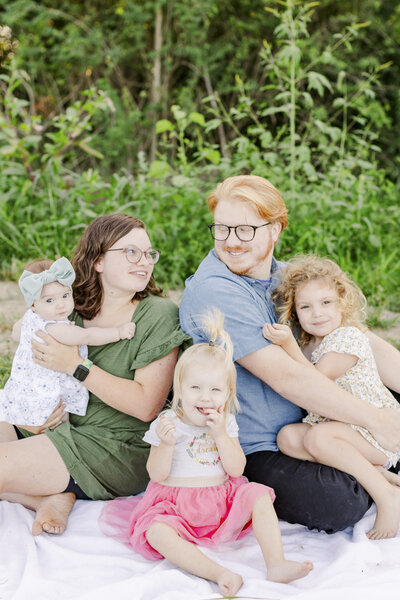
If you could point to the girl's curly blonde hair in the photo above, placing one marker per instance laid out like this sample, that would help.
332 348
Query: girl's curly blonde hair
305 268
220 350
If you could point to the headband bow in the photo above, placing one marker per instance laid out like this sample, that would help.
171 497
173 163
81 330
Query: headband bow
31 284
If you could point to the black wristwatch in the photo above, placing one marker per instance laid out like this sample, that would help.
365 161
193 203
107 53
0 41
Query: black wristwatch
82 370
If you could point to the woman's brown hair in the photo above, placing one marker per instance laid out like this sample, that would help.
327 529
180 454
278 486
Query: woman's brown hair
98 237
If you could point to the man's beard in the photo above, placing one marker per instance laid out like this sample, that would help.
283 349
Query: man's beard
244 270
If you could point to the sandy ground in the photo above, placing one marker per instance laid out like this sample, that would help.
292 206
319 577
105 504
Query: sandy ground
12 307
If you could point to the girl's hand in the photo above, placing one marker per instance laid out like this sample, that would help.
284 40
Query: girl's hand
216 421
57 417
166 431
278 334
54 355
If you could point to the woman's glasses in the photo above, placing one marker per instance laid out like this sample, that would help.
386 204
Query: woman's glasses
134 254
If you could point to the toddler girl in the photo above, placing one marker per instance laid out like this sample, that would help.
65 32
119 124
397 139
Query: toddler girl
32 392
197 494
327 311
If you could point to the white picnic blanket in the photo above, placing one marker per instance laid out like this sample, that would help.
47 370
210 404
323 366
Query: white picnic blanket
83 564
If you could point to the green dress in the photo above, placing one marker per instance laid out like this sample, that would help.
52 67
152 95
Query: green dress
104 451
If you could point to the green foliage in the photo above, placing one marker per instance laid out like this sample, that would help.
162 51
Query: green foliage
45 205
247 87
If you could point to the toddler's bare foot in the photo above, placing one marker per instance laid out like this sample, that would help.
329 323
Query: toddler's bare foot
389 476
228 582
288 570
52 513
387 517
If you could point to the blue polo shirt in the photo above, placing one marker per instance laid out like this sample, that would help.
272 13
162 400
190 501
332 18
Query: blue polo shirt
247 305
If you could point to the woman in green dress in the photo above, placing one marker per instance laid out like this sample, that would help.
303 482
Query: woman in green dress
100 455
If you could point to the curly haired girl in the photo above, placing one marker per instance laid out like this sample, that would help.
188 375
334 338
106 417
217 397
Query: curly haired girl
326 310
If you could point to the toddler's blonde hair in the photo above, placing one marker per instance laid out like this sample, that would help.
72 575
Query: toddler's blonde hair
220 349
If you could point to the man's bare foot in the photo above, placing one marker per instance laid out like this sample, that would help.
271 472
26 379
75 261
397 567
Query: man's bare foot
288 570
52 513
387 517
389 476
229 582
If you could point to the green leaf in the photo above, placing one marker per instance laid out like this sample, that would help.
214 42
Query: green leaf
290 52
178 113
180 181
158 169
198 118
213 124
317 81
213 156
164 125
374 240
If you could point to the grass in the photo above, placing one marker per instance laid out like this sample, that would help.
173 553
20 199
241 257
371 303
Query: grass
5 326
5 368
375 321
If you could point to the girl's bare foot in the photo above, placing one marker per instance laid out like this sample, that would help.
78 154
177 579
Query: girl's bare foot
387 517
389 476
286 571
228 582
52 513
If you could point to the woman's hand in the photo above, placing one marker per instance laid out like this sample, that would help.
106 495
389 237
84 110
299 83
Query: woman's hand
57 417
54 355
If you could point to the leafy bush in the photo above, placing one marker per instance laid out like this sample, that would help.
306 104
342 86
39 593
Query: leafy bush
308 129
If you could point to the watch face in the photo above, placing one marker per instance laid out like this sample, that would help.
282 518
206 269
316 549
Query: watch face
81 372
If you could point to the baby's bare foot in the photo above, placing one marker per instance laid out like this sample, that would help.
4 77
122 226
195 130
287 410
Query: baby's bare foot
52 513
389 476
288 570
387 517
228 582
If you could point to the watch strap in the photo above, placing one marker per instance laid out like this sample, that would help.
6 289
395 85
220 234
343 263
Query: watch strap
87 363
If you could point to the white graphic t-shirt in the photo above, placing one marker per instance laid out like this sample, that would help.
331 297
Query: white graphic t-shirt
195 451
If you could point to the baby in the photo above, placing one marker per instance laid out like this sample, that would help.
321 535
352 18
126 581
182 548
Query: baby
32 392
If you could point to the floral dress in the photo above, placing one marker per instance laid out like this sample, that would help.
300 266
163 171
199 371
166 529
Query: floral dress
362 380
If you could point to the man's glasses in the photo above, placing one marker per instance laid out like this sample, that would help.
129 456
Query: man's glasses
245 233
134 254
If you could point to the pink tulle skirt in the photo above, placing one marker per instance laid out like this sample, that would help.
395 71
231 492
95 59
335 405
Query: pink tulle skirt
206 515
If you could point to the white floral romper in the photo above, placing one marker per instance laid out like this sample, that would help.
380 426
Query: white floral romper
32 392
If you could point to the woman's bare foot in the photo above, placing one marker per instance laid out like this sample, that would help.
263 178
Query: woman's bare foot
52 513
387 517
229 582
286 571
389 476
